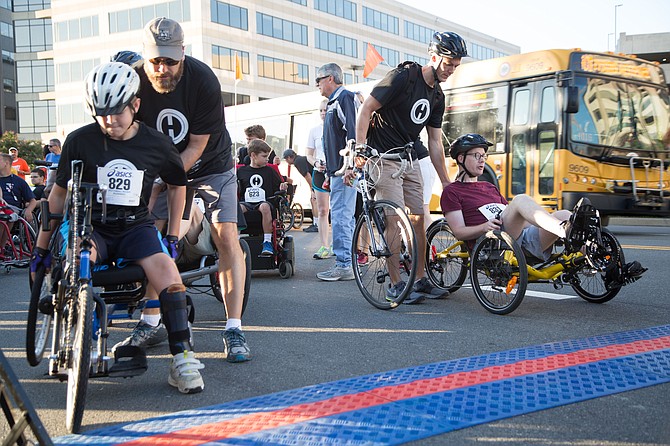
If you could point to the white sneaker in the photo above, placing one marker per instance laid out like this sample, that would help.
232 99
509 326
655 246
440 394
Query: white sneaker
184 374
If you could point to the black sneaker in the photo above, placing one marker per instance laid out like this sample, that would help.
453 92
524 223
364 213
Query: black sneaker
425 287
311 228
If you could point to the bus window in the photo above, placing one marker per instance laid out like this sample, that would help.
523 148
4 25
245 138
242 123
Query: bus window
521 107
548 112
518 164
482 111
547 144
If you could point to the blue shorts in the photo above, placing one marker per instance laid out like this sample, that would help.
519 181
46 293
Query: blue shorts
529 240
134 244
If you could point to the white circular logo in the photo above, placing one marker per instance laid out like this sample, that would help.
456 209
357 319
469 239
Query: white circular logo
420 111
504 69
173 123
256 180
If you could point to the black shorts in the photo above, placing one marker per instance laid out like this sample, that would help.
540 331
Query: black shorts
136 243
318 178
255 206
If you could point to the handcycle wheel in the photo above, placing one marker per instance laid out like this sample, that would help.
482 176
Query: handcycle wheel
216 285
445 270
498 272
387 242
298 215
589 283
286 214
39 324
79 364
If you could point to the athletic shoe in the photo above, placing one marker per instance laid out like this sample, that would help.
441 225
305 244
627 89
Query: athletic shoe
414 298
337 273
393 292
184 374
235 346
322 253
144 335
426 288
361 258
311 228
268 250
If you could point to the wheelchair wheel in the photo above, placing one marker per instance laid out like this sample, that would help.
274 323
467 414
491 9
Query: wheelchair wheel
39 324
286 215
589 283
498 272
298 215
386 238
19 247
79 364
446 270
216 285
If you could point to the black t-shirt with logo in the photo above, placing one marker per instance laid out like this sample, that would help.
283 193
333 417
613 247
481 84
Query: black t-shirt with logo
128 168
258 183
194 107
408 105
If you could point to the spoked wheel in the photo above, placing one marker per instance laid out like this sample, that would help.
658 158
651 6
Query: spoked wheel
446 257
384 254
287 216
589 283
79 364
298 215
216 285
23 240
39 323
498 272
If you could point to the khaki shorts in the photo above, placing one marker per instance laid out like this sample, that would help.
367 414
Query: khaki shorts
406 191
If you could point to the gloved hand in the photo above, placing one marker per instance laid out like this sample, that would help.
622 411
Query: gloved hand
40 257
171 242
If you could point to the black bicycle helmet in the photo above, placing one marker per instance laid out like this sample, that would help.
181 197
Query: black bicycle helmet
129 58
110 87
467 142
448 44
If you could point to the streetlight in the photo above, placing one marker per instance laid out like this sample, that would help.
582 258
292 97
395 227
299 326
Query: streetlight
616 46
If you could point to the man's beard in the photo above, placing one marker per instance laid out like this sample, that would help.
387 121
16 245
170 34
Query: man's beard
165 84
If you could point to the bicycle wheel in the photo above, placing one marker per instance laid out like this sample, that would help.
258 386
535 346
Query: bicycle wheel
446 257
286 215
39 323
386 239
216 285
79 363
589 283
498 272
298 215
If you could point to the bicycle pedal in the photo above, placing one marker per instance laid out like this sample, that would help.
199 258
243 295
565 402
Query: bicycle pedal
129 361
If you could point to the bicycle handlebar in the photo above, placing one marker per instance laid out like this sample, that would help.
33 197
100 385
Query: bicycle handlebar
353 150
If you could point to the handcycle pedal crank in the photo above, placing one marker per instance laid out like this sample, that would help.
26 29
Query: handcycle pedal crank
129 361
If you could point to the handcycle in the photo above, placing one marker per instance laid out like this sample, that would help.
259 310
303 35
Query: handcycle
383 233
291 214
500 270
70 300
18 241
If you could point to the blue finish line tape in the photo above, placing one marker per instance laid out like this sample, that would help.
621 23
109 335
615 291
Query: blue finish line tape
414 403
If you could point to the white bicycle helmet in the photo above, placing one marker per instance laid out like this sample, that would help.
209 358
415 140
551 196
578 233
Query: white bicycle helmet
110 87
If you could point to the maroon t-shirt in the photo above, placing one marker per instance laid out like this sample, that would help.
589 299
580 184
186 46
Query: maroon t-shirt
468 198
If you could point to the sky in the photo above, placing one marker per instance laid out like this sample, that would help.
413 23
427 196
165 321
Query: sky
543 24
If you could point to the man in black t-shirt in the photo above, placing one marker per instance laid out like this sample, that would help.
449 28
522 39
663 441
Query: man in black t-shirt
408 99
181 97
305 168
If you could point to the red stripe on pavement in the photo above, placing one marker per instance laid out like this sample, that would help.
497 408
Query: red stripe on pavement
304 412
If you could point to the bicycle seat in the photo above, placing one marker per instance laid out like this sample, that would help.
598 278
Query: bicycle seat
107 274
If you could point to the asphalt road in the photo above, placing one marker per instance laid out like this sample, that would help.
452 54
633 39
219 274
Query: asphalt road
302 332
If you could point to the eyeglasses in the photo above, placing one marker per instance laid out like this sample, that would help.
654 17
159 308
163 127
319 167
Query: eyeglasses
319 79
164 61
479 156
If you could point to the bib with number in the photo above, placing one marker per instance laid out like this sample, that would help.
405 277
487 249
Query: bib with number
123 182
255 193
491 210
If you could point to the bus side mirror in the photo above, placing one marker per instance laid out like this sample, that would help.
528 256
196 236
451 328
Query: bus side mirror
572 100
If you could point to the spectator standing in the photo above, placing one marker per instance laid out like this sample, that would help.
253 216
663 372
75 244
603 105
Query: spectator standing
339 126
19 164
408 99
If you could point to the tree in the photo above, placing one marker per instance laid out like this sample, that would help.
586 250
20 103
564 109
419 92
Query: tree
29 150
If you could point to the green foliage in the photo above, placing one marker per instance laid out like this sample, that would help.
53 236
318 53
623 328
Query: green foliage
29 150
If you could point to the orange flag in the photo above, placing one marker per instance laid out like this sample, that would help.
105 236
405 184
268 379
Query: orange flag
372 59
238 68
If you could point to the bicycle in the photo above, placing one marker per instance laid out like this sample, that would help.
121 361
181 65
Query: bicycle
383 236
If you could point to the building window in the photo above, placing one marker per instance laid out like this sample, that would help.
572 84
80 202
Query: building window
8 57
270 26
7 30
79 28
299 2
418 59
6 4
229 98
8 85
391 57
480 52
137 18
37 116
380 20
418 33
75 71
10 113
335 43
339 8
283 70
73 114
32 35
28 5
224 59
230 15
35 76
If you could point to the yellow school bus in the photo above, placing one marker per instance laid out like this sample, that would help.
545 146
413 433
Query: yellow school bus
567 124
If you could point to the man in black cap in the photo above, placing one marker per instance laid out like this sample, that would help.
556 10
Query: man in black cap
305 168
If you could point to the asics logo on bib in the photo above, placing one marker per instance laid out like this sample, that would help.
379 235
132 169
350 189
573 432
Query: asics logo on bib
420 111
173 123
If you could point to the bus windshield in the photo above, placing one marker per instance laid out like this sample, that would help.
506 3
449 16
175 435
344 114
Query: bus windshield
616 118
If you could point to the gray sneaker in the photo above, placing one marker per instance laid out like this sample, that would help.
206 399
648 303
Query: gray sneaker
144 335
235 346
425 287
337 273
393 292
184 373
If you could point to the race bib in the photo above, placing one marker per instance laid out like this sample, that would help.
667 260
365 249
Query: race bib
491 210
123 182
254 195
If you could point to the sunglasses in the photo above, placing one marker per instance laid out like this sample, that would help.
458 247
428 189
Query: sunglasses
164 61
319 79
